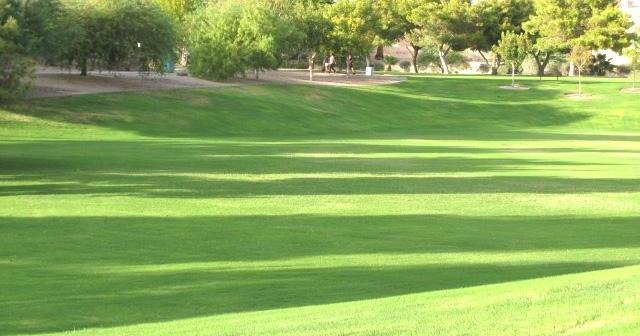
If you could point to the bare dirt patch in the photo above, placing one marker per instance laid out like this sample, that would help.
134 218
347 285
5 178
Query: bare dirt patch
320 78
630 90
55 82
577 96
514 88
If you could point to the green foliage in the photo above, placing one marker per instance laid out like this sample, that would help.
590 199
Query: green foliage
498 16
231 38
633 53
179 10
559 24
390 61
312 26
405 65
513 48
119 34
601 65
429 59
447 24
15 65
355 26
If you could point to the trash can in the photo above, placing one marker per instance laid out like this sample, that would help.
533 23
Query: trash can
169 66
369 71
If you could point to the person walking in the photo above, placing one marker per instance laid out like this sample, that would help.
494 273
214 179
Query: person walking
350 65
332 63
326 65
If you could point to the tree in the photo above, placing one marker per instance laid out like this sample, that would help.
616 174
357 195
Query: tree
390 61
429 58
231 37
119 34
14 64
263 36
179 11
312 26
513 48
633 53
446 25
580 56
29 30
495 17
397 23
354 26
557 25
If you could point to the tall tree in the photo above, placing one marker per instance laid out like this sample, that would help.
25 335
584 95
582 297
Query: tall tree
232 37
495 17
557 25
312 27
447 25
397 24
354 26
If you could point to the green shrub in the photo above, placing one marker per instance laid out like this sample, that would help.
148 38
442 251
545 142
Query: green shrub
623 70
600 65
484 68
405 65
389 61
429 59
231 38
119 34
16 73
378 66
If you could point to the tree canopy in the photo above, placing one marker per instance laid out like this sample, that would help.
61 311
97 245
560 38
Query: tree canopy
513 48
557 25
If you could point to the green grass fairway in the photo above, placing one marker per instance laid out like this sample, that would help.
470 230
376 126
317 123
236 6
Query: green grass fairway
438 206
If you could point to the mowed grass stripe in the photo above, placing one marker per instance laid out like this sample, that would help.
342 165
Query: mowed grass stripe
435 206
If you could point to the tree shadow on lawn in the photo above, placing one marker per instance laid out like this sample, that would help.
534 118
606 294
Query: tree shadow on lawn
159 169
63 273
169 186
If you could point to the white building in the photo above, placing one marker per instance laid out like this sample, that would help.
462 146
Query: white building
632 7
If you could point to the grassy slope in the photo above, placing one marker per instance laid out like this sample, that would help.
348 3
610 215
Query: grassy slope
437 206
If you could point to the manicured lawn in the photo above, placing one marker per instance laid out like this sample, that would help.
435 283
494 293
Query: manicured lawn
439 206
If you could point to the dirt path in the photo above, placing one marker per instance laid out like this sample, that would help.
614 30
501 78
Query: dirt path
54 82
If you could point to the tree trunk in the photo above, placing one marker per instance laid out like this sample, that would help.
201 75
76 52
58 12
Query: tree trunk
379 52
83 67
513 74
579 82
572 69
495 65
414 57
442 53
486 60
634 79
257 74
311 64
541 63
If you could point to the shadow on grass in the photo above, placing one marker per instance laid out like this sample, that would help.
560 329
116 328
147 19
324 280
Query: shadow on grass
167 169
61 273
